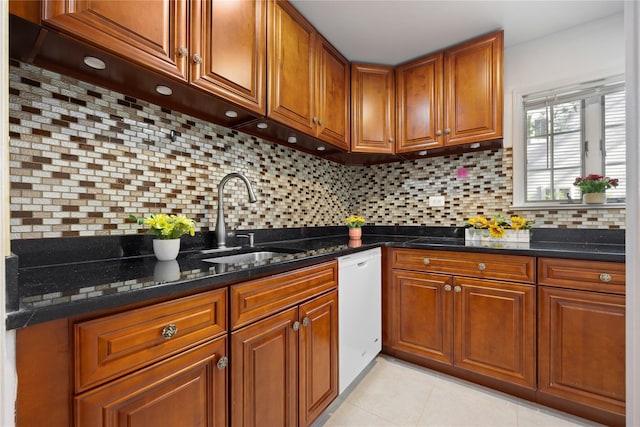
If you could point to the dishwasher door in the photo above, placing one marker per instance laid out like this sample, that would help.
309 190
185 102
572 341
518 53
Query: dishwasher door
359 312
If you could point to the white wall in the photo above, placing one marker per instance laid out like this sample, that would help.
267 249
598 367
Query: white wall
578 54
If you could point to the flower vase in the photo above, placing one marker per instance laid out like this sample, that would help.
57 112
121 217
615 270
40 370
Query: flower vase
594 198
355 233
166 249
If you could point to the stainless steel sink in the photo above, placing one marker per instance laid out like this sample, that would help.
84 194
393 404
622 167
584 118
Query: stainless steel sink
242 258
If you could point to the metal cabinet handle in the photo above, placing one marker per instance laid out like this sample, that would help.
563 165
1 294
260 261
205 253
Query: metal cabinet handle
315 119
447 131
222 363
320 122
481 266
605 277
426 261
390 139
438 132
447 288
296 326
457 288
305 322
169 331
183 51
197 59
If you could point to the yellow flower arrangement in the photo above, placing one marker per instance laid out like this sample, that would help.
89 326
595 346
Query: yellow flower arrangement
167 226
354 221
498 225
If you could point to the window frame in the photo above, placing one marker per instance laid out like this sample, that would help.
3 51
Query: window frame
519 166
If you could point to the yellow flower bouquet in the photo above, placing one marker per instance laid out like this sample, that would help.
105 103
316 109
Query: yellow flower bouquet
513 229
167 227
354 221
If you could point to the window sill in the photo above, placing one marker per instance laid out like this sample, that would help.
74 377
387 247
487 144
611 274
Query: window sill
566 206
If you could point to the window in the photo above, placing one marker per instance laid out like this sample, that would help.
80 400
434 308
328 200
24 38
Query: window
570 132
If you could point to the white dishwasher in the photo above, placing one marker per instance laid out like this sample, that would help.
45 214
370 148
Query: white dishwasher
359 312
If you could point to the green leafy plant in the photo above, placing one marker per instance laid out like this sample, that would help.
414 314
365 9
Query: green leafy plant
354 221
595 183
167 226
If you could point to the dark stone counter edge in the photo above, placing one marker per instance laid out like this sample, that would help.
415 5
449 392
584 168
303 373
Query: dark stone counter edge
22 318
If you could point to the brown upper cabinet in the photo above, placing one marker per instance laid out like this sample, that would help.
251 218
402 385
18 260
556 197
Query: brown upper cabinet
372 108
217 46
452 97
308 79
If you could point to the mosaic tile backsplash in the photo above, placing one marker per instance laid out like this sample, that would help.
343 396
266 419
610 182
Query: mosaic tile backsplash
83 158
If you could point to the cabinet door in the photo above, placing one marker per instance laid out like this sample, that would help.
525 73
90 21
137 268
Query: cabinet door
582 347
291 41
187 389
421 315
150 33
230 39
473 91
419 104
264 372
318 365
332 117
494 328
372 109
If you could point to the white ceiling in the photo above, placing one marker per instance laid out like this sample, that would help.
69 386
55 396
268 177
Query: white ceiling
394 31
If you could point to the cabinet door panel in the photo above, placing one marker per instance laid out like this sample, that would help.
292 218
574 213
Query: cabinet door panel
372 109
318 356
333 96
419 104
230 36
422 311
291 41
187 389
473 91
149 33
264 372
495 329
582 347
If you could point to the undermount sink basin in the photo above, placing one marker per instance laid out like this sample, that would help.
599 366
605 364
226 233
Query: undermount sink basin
242 258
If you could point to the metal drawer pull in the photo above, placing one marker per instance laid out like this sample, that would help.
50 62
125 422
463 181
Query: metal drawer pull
182 51
426 261
197 59
605 277
447 288
169 331
482 267
457 288
296 326
305 322
222 363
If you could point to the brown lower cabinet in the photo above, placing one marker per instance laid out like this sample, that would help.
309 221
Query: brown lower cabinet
481 326
285 370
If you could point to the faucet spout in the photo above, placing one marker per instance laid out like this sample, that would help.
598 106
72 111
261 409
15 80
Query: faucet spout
221 232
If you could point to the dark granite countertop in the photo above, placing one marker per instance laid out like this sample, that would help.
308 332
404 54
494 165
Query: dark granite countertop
44 290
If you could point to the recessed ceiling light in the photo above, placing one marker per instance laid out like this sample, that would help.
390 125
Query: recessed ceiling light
422 153
321 148
292 140
475 145
232 114
95 63
262 125
164 90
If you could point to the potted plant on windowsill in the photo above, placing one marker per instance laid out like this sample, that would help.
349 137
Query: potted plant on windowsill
168 229
514 229
594 186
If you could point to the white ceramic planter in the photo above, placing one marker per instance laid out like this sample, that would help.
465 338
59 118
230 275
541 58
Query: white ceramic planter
166 250
480 236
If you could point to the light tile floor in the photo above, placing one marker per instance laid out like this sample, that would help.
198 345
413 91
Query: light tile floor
394 393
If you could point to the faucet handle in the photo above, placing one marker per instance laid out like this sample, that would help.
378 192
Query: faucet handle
250 236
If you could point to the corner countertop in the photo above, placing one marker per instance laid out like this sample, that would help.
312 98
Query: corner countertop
55 291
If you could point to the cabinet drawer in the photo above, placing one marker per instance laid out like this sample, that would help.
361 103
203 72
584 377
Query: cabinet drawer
602 276
114 345
485 266
259 298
